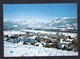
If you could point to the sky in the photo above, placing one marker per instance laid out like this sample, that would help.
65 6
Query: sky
40 12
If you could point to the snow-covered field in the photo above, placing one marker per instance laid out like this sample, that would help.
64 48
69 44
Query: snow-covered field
37 31
48 32
13 32
20 50
16 50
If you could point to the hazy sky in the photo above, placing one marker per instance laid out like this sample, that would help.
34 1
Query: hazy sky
39 11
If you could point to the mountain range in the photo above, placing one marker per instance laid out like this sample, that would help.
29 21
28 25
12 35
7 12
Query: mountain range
57 23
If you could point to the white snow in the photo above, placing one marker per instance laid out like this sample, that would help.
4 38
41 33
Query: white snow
15 25
13 32
16 50
20 50
37 31
38 44
21 42
66 18
47 32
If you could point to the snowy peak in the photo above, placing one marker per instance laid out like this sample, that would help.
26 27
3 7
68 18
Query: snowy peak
66 22
69 23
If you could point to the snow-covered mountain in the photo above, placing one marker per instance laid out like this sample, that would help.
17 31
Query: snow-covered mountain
57 23
13 25
65 22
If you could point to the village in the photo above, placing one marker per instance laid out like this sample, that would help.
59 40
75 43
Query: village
48 40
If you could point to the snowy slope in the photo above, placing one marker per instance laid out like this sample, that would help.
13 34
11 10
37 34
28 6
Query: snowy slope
13 32
14 25
64 22
16 50
48 32
36 31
